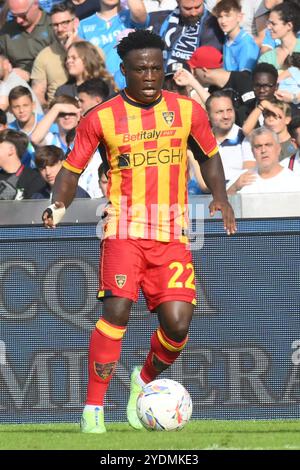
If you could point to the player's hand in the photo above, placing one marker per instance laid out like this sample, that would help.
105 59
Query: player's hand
227 214
53 214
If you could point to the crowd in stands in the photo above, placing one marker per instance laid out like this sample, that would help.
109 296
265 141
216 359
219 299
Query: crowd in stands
240 59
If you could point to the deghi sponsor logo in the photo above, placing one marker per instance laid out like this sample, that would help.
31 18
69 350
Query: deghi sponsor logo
148 135
150 158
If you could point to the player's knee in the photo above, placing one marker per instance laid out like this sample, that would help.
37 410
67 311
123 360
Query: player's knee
116 310
178 331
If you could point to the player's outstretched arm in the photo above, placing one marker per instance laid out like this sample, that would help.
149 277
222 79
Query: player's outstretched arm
64 191
213 174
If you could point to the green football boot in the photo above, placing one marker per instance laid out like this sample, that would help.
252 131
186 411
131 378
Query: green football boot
92 421
135 390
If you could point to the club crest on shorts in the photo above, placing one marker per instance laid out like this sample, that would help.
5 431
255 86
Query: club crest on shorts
120 280
169 117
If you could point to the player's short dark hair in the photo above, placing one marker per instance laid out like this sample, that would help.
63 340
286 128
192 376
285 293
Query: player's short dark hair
289 12
48 155
217 94
18 92
226 5
140 39
3 117
263 67
17 138
94 87
293 126
62 7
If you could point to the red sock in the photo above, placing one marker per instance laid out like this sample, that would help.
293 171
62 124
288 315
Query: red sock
163 353
104 353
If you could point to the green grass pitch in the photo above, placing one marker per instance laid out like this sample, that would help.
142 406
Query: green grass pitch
197 435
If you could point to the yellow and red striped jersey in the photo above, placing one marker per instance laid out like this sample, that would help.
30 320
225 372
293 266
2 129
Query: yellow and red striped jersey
146 156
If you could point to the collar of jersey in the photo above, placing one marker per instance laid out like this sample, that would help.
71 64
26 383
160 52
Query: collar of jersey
139 104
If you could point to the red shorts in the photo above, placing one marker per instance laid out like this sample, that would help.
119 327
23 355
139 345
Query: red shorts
164 271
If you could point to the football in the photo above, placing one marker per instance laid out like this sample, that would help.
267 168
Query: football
164 405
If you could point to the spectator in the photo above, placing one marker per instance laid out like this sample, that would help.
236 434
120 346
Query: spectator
289 83
293 162
9 80
278 121
3 13
83 62
103 181
85 8
240 52
25 36
49 160
269 176
277 116
3 120
184 29
48 5
289 79
16 181
102 28
284 23
265 78
92 92
23 108
48 71
234 150
254 16
64 111
183 85
206 64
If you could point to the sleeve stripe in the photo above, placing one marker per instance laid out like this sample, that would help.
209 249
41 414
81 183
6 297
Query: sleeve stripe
213 152
71 168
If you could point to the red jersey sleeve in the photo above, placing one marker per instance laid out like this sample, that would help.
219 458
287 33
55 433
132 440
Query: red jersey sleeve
201 140
88 137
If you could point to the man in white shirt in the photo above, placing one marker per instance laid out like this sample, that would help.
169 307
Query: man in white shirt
269 176
235 150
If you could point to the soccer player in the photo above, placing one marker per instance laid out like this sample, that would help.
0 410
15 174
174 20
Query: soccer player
145 132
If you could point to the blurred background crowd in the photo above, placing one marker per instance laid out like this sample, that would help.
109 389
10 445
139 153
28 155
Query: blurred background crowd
240 59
